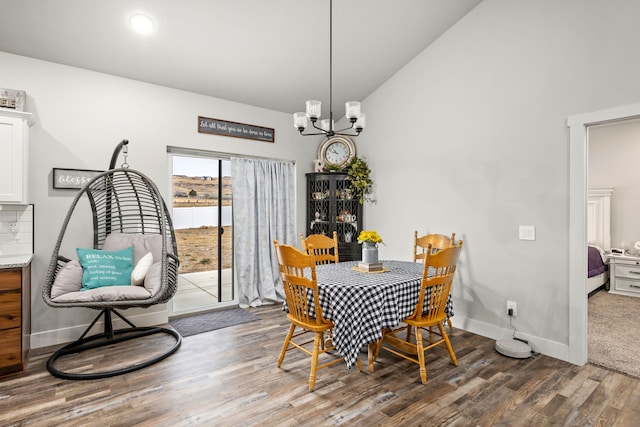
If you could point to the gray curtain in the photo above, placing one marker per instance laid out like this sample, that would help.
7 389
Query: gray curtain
263 210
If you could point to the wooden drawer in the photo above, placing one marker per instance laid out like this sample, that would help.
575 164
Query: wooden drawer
10 309
10 279
10 350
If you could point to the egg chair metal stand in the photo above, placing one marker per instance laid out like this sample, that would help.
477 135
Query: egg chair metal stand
125 201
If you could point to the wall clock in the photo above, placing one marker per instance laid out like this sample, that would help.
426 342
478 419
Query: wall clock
336 150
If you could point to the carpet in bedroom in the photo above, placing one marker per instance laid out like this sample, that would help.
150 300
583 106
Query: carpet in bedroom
614 332
212 320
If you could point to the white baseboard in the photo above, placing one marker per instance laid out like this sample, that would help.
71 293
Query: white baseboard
67 335
540 345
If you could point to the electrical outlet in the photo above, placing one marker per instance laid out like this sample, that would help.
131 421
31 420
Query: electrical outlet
14 227
511 305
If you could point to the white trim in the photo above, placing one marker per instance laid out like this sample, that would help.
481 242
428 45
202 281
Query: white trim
24 115
218 155
539 345
67 335
578 133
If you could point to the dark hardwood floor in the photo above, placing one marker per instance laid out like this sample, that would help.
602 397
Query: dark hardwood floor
229 377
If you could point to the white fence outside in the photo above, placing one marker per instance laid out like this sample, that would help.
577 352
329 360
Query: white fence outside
197 217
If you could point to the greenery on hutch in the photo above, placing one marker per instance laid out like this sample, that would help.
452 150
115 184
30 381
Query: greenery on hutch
359 175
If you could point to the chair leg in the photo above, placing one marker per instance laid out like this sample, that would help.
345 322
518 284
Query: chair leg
378 344
450 324
285 346
329 341
448 344
420 349
408 333
317 340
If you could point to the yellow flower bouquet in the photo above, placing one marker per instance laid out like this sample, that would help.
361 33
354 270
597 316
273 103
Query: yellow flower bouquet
370 236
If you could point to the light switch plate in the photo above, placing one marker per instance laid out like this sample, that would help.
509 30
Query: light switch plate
527 232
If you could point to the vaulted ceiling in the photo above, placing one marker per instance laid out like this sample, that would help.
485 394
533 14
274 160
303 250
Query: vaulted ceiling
267 53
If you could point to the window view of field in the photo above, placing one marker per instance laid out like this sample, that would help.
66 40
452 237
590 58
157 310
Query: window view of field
198 243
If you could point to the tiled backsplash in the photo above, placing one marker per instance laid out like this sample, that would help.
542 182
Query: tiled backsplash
16 230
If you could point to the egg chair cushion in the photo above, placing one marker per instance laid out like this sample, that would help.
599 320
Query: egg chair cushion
153 279
141 243
68 284
106 294
68 279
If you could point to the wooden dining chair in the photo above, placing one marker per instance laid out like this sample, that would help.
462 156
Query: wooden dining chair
437 242
325 249
429 312
304 310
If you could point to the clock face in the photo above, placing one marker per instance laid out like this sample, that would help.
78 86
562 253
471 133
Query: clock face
336 150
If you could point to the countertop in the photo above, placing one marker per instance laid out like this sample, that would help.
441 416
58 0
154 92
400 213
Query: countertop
15 261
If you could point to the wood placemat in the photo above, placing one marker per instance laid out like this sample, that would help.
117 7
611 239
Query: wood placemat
358 269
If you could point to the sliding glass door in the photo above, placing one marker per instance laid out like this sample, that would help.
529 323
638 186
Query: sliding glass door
202 216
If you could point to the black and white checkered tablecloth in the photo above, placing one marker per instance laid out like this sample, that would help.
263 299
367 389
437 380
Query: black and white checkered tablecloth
362 304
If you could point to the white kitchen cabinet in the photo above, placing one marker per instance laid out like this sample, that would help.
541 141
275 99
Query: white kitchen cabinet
14 156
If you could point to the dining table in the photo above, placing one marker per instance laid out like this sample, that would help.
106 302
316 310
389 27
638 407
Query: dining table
361 304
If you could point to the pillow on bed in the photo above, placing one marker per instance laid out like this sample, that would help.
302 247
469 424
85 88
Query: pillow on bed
105 268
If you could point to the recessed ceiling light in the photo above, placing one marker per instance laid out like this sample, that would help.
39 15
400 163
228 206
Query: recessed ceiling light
141 23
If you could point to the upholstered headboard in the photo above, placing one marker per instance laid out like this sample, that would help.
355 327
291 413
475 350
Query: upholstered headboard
599 217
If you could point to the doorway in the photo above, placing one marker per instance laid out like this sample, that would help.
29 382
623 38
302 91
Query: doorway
202 206
578 150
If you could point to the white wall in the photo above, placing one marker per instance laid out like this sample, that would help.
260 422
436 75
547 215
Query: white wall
82 115
472 137
614 151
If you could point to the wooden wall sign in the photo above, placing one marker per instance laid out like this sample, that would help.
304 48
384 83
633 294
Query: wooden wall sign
73 178
236 130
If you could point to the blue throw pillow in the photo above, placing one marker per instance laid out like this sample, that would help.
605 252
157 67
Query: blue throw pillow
105 268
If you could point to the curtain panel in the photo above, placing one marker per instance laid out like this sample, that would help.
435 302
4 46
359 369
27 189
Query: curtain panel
263 210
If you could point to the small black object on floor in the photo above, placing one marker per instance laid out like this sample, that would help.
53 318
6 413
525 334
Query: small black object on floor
212 320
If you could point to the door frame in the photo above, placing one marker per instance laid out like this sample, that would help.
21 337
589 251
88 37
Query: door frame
578 170
214 156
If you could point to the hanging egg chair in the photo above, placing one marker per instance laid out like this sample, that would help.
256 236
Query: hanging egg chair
133 263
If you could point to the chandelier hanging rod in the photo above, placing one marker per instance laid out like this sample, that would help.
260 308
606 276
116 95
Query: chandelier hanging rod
352 108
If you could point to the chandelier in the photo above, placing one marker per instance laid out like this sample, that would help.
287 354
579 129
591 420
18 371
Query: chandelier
352 108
